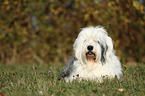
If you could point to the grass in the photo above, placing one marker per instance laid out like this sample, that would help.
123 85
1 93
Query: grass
41 80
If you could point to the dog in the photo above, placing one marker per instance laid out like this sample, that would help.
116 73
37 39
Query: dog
93 58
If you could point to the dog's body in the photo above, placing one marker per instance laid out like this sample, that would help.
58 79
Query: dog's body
93 58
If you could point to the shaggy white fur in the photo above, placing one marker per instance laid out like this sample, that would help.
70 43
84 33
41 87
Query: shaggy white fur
93 58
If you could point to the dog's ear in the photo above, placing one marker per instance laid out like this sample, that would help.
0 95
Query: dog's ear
109 44
104 49
77 46
107 49
77 52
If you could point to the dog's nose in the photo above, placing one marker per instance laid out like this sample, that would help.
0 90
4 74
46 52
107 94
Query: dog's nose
90 47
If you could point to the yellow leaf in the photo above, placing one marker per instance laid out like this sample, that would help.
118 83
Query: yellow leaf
8 7
136 4
96 12
121 89
125 76
86 17
6 2
16 2
2 36
109 4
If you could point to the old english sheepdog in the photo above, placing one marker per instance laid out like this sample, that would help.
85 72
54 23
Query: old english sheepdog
94 57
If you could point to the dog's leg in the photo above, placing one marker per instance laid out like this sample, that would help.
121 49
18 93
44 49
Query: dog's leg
68 69
63 74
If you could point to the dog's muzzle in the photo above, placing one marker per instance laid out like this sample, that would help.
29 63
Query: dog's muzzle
90 56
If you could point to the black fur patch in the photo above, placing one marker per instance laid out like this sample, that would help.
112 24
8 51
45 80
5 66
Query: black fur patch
103 52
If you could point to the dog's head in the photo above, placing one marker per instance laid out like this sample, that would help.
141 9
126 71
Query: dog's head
93 45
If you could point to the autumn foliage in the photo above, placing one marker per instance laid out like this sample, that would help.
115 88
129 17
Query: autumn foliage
44 30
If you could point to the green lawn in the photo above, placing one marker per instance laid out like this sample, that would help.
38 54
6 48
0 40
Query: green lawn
41 80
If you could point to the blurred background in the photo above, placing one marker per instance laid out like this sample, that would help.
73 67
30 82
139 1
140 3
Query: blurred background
44 31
